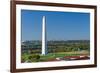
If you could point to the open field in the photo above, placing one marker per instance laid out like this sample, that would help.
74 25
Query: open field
54 56
56 50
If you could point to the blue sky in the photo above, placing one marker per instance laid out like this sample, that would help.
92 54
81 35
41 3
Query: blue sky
60 25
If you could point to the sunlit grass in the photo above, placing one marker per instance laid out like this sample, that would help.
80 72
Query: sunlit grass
43 58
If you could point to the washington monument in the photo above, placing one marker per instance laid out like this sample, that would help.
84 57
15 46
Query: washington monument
44 40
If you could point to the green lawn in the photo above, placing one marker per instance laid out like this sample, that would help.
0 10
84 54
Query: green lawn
44 58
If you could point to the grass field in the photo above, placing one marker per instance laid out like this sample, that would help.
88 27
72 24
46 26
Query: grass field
51 56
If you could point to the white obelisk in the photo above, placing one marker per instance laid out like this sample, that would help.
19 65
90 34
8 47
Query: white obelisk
44 41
